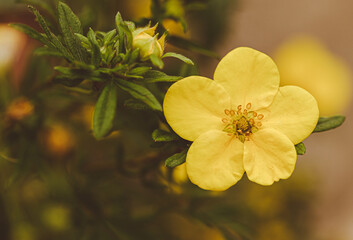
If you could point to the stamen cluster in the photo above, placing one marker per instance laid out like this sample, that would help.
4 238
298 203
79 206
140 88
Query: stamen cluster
242 123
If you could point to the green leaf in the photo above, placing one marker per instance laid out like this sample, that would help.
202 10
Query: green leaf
43 24
156 61
54 41
95 54
31 32
82 38
41 4
176 159
327 123
67 17
70 24
179 56
108 37
160 135
300 148
139 92
124 32
46 51
134 56
136 104
79 73
158 76
139 70
105 110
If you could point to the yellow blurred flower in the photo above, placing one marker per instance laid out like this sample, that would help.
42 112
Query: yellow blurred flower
175 28
305 62
241 121
57 218
275 230
174 8
86 114
181 227
24 231
138 8
19 109
11 46
59 140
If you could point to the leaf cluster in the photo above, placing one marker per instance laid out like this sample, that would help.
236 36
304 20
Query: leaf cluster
107 59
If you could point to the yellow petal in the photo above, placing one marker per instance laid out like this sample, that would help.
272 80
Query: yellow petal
215 161
195 105
249 76
294 112
268 157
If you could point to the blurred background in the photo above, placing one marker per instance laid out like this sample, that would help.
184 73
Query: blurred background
58 182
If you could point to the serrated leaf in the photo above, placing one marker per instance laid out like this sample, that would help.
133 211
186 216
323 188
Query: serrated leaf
95 54
46 51
327 123
68 17
105 110
43 24
300 148
176 159
158 76
54 41
70 24
156 61
31 32
160 135
179 56
139 92
41 4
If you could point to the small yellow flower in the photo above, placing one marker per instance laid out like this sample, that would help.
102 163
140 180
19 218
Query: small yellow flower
305 62
19 109
59 140
241 121
146 40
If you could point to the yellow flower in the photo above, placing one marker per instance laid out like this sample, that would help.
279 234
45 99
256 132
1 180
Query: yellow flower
138 8
146 40
305 62
59 140
19 109
241 121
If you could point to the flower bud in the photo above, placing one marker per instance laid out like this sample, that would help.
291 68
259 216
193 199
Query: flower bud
146 40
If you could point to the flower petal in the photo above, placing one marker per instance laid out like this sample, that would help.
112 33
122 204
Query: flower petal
195 105
215 161
269 156
249 76
293 112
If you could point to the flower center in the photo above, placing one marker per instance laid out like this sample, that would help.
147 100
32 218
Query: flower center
242 123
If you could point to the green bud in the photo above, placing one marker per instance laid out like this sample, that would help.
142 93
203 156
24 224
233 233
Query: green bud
148 43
